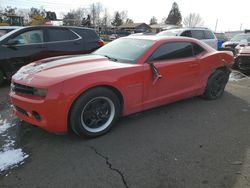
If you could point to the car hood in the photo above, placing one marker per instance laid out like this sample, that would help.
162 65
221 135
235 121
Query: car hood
245 50
60 68
230 43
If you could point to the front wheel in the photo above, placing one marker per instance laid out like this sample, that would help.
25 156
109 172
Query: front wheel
94 112
216 85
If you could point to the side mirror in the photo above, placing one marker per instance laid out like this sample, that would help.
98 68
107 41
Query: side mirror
155 73
12 42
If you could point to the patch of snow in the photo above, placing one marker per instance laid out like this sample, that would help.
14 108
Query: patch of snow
236 76
4 126
9 155
10 158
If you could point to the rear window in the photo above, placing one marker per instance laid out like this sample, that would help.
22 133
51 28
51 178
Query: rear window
198 34
170 32
61 35
208 34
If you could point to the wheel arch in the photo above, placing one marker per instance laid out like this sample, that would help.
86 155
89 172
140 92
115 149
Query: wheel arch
112 88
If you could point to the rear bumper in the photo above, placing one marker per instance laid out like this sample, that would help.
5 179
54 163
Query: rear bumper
46 114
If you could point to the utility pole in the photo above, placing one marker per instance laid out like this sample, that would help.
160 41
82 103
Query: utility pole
240 26
216 25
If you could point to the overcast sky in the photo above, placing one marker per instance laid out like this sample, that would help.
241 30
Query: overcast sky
230 14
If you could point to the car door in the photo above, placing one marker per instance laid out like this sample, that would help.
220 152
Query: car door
28 46
178 74
63 41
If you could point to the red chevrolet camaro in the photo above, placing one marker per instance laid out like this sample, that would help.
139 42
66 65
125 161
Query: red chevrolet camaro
87 93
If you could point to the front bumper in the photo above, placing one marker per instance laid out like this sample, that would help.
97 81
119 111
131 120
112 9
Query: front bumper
48 114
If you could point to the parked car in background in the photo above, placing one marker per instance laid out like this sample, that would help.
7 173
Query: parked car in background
5 29
88 93
242 58
236 40
24 45
203 34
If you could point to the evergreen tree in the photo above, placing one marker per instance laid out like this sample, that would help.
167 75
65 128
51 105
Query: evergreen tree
174 16
153 20
117 21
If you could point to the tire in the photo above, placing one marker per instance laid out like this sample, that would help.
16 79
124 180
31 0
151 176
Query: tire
216 85
94 112
1 77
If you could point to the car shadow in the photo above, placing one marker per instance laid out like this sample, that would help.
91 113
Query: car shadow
191 143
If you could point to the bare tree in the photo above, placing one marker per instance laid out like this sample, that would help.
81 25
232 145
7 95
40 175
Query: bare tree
95 13
75 17
106 19
124 16
193 20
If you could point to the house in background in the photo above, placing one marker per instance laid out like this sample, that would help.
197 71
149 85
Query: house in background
135 27
156 28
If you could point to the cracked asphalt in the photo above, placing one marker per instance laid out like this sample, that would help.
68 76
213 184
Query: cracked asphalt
189 144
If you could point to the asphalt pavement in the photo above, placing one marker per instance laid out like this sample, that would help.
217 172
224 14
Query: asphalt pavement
189 144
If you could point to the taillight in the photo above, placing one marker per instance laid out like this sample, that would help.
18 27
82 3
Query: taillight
101 42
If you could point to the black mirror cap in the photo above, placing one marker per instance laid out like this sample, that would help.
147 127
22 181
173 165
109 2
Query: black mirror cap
12 42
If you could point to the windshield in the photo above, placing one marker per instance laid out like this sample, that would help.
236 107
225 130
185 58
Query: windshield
8 34
125 49
170 33
241 37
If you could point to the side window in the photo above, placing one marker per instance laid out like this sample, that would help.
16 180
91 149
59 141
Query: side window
172 50
197 49
186 34
90 35
60 35
198 34
30 37
208 34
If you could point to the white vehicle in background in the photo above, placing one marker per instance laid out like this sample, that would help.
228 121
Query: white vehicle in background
203 34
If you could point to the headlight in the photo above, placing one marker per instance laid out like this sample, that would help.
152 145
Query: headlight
40 92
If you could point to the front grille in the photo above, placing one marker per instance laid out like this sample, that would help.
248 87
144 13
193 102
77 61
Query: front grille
18 88
244 61
22 111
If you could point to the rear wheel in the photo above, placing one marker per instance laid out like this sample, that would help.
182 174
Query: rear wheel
94 112
216 85
1 77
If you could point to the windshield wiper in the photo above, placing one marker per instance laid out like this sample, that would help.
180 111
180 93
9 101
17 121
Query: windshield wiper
111 58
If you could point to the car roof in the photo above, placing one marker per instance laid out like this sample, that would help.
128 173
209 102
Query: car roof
188 28
159 38
10 27
51 26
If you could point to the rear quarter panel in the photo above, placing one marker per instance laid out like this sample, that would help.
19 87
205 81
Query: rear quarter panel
212 61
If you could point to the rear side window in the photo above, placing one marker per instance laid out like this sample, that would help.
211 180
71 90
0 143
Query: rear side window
61 35
87 34
173 50
197 49
198 34
208 34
